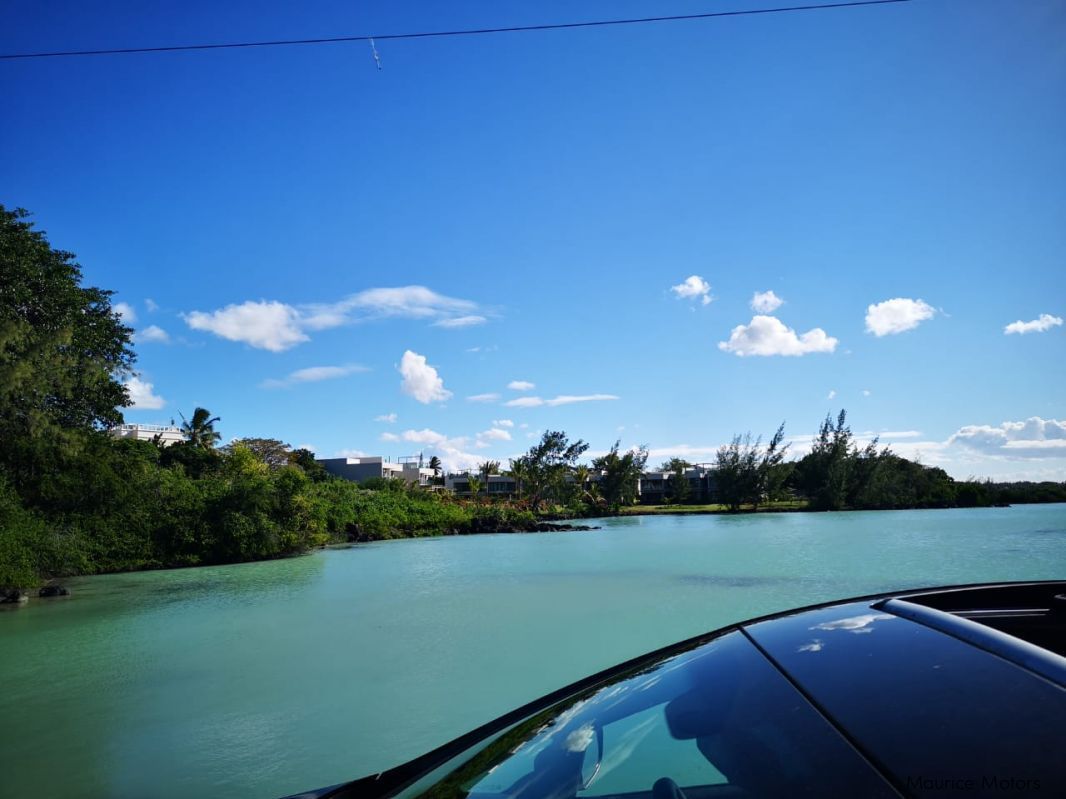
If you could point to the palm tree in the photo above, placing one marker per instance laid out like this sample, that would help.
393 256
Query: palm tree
519 472
200 430
581 481
485 470
434 464
475 486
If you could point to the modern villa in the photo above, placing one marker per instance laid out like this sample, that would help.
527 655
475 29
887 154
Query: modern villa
167 434
367 467
657 487
498 485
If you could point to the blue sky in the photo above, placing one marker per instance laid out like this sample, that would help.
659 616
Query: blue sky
520 208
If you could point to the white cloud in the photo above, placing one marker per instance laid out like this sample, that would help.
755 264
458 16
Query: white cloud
866 392
141 395
1033 438
493 434
768 335
1040 325
483 398
765 302
525 402
151 305
270 326
693 287
420 380
423 436
126 311
314 374
894 434
562 399
832 393
521 385
386 417
276 326
152 333
461 321
413 302
897 316
689 452
451 451
344 453
502 423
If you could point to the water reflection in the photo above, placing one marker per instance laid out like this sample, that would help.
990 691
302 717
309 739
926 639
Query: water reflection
853 624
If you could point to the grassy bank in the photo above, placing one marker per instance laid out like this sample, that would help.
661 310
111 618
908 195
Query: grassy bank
687 510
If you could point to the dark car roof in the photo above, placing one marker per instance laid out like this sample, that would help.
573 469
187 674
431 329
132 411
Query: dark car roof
934 712
950 691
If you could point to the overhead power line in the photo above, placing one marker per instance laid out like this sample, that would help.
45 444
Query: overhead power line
439 34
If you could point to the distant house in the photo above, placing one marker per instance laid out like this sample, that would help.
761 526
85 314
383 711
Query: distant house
165 434
498 485
656 488
368 467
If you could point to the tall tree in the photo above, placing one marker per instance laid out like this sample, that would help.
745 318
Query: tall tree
486 469
824 473
271 451
620 474
63 350
680 490
200 430
673 464
547 465
305 459
771 474
474 485
435 465
736 470
520 473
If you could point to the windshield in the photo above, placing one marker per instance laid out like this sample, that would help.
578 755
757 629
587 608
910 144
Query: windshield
716 721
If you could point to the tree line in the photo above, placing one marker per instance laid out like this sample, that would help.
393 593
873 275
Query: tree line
75 500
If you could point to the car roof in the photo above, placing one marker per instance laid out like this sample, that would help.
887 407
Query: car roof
933 710
923 683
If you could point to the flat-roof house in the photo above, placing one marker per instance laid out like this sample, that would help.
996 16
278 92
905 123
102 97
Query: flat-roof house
367 467
498 485
657 487
165 434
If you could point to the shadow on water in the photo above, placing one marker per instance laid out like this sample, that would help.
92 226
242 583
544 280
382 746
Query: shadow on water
741 581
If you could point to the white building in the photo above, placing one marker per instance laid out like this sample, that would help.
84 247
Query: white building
167 434
367 467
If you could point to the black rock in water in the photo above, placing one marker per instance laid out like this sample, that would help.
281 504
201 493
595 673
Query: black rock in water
54 590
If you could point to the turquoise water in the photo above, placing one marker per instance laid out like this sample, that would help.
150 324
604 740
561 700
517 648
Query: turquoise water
267 678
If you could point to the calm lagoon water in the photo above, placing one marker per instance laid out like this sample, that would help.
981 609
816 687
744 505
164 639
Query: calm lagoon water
263 679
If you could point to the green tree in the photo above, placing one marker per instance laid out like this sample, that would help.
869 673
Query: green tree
271 451
486 469
200 430
737 470
620 474
435 465
771 473
673 464
305 459
680 490
520 474
823 474
62 351
547 465
474 486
